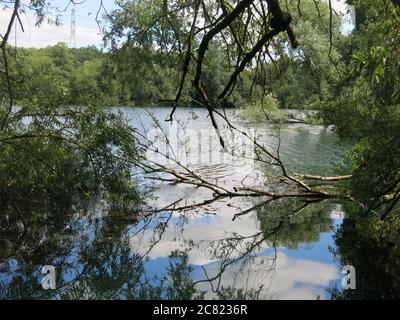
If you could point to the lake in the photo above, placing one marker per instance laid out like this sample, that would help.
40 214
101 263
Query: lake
183 241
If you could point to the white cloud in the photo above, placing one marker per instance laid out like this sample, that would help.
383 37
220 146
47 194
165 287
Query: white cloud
46 34
289 279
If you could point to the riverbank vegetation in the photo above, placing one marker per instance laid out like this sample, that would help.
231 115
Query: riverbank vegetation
244 59
261 58
59 140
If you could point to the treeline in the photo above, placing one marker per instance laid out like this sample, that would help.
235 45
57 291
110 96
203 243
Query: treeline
58 75
130 77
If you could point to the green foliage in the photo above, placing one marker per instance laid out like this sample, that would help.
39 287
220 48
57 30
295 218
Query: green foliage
291 223
139 77
73 150
301 78
267 110
146 74
364 107
372 246
59 75
124 276
57 138
180 285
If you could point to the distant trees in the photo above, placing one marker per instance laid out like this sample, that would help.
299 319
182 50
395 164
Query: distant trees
133 76
60 75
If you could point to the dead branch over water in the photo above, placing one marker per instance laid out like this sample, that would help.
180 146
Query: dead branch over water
284 184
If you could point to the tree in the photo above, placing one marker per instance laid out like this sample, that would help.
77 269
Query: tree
58 139
177 27
364 107
358 96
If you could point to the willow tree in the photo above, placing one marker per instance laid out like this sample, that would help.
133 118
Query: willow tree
364 104
49 148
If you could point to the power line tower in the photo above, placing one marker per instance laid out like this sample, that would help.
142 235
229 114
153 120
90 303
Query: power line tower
72 34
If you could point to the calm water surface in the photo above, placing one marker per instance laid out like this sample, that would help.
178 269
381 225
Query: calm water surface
280 250
295 263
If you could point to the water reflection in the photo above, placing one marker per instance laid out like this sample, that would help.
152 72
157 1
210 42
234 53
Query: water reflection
91 255
372 246
296 221
94 259
283 249
277 259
